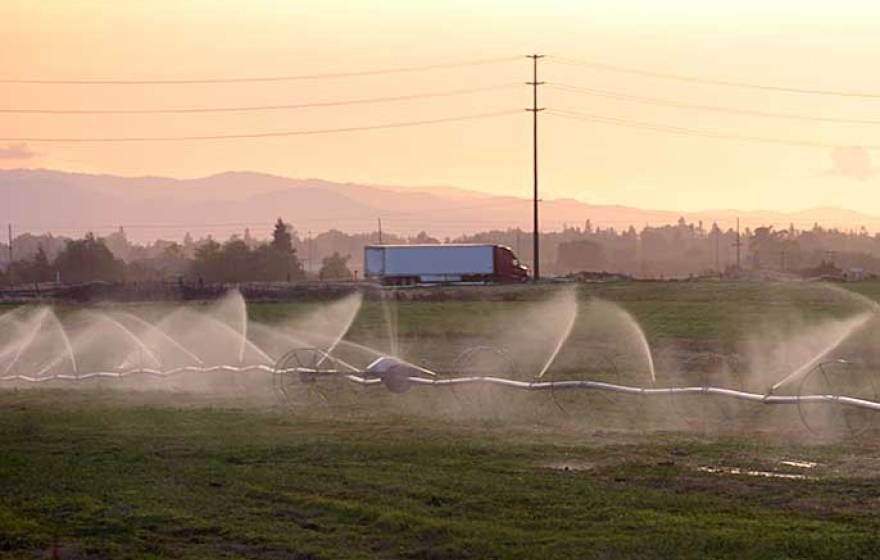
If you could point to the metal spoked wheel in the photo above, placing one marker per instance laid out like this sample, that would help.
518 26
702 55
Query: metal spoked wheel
707 412
484 360
481 361
837 378
295 378
579 403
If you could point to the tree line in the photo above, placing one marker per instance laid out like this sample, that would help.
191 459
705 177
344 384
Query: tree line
674 250
91 259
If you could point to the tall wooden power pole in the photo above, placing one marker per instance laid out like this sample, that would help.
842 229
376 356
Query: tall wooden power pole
10 268
738 246
536 249
717 249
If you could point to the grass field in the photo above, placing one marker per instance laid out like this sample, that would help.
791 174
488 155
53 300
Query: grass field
101 473
100 476
687 310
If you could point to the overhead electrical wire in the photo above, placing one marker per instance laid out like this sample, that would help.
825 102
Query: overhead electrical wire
409 224
704 133
252 108
312 132
617 95
280 78
712 81
396 215
712 108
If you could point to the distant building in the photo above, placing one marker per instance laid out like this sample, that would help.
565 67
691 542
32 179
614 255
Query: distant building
855 275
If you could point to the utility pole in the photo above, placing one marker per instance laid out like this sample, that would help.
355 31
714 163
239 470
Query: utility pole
10 269
717 249
380 230
534 110
311 263
640 249
738 244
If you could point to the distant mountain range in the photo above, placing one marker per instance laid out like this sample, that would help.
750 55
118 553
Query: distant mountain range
39 200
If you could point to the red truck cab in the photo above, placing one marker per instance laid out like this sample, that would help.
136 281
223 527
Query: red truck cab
507 266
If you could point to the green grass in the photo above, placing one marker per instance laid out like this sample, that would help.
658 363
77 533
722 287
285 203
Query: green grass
666 310
689 310
102 474
98 473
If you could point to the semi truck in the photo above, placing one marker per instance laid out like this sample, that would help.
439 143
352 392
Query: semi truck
442 263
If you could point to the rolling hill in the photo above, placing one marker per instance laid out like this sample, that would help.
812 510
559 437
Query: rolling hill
40 200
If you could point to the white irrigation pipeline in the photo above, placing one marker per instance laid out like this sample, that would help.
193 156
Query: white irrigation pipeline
631 390
472 380
148 372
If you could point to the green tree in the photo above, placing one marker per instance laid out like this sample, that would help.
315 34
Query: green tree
236 262
424 239
335 267
42 270
36 269
206 265
282 240
88 259
278 261
174 251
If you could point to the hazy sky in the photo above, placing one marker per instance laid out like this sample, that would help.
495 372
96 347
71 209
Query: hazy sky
831 45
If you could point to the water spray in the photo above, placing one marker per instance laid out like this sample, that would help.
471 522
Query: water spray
318 364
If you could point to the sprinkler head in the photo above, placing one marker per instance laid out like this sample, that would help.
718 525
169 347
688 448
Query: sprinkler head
394 373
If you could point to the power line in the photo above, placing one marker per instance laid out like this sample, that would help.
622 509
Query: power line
360 101
403 124
682 105
713 81
417 215
282 78
704 133
421 223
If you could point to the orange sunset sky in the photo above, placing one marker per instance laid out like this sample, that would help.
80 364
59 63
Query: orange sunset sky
798 44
